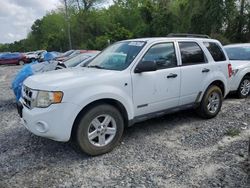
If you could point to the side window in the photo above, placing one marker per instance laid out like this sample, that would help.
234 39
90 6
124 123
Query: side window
163 54
216 51
191 53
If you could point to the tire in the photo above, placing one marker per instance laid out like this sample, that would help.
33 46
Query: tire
20 62
212 94
101 141
244 92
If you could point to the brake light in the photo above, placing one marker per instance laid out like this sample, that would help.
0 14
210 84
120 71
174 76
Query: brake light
230 70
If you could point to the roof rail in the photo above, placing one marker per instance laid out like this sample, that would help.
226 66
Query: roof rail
188 35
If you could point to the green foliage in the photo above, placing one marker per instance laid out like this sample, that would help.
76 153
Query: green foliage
94 28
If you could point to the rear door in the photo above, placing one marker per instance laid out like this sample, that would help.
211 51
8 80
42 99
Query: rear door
194 71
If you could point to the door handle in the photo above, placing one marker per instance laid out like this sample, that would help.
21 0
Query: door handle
172 75
205 70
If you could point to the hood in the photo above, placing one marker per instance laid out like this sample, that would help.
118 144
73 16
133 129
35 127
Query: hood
237 64
68 78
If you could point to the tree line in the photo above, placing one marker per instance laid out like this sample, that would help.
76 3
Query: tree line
92 25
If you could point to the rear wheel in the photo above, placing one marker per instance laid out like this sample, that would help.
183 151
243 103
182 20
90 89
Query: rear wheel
244 87
211 102
99 130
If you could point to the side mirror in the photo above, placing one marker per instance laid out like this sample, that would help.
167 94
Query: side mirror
146 66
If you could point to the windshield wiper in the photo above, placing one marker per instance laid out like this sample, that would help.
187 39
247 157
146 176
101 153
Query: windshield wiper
96 66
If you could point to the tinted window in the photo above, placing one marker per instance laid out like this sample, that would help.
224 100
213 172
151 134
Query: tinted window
216 51
191 53
163 54
238 53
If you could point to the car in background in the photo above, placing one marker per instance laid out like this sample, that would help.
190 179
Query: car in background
2 53
65 55
73 54
34 56
79 60
13 58
239 55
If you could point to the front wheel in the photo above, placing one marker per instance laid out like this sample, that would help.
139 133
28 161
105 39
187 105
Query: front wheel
99 130
211 102
244 87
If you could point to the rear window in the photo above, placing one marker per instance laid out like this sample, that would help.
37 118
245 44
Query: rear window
216 51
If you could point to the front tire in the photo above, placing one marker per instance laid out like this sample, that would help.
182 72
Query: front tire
244 88
211 102
99 130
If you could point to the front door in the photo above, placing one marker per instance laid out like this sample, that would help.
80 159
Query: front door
157 90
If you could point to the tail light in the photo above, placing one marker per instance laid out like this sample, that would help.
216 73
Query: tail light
230 70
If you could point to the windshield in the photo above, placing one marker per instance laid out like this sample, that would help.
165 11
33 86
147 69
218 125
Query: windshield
118 56
67 53
238 53
74 61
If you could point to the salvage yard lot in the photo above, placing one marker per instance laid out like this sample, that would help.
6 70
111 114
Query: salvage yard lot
177 150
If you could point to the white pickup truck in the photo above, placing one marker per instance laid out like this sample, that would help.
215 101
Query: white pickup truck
128 82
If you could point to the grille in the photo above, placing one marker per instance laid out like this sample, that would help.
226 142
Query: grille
28 96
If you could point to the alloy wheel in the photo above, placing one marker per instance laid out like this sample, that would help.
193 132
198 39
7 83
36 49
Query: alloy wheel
102 130
245 87
213 102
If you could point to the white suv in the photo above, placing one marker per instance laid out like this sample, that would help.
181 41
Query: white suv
239 55
128 82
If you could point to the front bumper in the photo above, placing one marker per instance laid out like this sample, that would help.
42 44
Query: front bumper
54 122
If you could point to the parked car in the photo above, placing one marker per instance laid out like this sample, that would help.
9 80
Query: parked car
65 55
130 81
12 58
79 60
239 55
35 56
73 54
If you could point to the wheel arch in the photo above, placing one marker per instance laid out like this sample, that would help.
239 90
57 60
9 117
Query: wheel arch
113 102
246 75
220 84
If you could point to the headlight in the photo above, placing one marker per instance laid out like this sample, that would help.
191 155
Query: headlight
46 98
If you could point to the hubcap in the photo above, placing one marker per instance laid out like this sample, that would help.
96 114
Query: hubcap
102 130
21 63
213 102
245 87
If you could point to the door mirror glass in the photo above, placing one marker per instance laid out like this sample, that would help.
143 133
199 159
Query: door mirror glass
146 66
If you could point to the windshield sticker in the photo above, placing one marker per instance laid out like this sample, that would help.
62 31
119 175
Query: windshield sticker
136 44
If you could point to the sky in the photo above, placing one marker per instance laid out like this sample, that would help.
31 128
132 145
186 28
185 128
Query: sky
17 17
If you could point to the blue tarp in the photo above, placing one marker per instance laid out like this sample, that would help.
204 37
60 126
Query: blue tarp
17 83
49 56
30 69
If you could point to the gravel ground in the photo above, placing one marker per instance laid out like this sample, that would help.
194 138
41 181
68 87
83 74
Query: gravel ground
177 150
